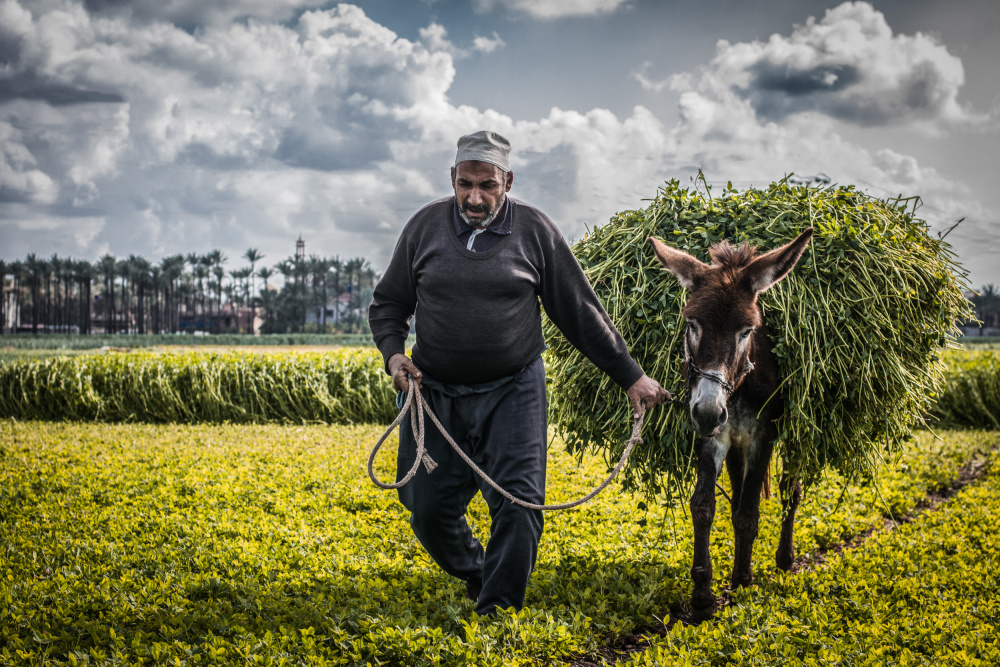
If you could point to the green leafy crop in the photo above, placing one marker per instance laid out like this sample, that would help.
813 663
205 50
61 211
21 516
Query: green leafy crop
127 544
970 396
858 326
346 386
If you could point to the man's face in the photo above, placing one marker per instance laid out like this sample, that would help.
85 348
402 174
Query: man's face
480 188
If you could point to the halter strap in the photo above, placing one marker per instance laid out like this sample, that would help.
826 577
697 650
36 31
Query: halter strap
715 376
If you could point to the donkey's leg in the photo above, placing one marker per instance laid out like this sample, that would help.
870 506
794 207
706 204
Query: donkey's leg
746 516
734 465
791 493
711 454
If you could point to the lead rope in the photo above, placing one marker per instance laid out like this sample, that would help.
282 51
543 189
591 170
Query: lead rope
417 423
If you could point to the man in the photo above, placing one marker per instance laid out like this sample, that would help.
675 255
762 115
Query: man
473 268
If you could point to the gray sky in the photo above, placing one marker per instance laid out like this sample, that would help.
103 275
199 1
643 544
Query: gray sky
158 127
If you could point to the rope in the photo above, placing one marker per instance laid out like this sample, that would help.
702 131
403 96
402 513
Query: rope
417 423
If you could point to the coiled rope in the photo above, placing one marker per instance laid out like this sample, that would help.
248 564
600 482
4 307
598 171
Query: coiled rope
417 424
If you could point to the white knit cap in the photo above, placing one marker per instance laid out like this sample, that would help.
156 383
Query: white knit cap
484 146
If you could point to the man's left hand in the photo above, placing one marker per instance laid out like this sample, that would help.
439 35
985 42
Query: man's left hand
645 393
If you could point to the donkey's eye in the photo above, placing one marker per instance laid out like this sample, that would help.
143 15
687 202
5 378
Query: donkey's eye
745 334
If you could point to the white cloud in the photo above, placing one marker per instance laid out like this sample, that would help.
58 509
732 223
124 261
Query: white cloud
849 66
488 44
553 9
137 136
195 12
647 83
435 38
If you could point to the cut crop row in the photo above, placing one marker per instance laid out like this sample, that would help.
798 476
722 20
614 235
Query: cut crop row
346 386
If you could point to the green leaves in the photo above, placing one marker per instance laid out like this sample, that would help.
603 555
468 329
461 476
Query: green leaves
345 386
223 544
858 326
970 396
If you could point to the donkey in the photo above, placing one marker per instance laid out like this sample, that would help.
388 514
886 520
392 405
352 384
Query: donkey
732 374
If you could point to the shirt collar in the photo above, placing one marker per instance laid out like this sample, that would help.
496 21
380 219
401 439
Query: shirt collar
501 225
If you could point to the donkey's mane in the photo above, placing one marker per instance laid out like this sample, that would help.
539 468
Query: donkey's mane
725 255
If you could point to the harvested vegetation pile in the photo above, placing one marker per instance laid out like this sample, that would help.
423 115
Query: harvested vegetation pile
970 397
342 387
858 326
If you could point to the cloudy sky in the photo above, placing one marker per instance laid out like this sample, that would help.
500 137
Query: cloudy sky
157 127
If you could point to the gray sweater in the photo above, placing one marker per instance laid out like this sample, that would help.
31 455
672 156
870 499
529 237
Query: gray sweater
478 315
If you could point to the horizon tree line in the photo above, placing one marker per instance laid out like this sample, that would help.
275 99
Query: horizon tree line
185 293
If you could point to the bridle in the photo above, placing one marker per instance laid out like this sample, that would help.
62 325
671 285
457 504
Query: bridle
695 372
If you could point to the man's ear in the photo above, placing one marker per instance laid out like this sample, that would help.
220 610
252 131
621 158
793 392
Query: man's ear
772 266
452 178
510 181
684 266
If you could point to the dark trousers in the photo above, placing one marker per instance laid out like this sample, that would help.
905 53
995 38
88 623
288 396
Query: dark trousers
504 431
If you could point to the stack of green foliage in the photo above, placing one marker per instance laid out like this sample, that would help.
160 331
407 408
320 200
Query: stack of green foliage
858 326
970 396
50 341
342 387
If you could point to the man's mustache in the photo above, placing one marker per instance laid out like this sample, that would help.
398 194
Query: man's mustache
475 208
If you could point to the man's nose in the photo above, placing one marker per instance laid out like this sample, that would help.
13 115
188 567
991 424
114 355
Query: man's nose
475 196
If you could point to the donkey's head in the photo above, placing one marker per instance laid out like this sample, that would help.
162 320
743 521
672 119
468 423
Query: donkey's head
722 315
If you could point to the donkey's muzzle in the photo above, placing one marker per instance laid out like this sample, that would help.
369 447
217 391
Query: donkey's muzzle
708 406
707 418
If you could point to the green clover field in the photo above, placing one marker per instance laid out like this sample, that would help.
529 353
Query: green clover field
259 541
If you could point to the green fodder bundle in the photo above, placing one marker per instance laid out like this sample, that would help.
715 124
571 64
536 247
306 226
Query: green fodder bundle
342 387
970 395
858 326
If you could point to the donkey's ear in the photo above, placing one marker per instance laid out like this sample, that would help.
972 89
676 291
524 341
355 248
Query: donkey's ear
679 263
772 266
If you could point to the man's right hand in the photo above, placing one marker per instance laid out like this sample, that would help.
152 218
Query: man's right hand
401 368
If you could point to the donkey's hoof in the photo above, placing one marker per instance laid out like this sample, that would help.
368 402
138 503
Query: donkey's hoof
703 604
697 615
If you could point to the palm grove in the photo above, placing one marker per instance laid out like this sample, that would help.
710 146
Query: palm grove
186 293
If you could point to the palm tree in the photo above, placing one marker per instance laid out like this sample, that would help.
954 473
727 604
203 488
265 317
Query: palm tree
107 268
139 274
354 269
4 270
265 273
173 269
215 260
201 274
83 274
220 274
253 256
66 272
20 272
269 304
316 269
34 268
987 304
52 300
336 267
124 274
159 285
238 291
289 293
